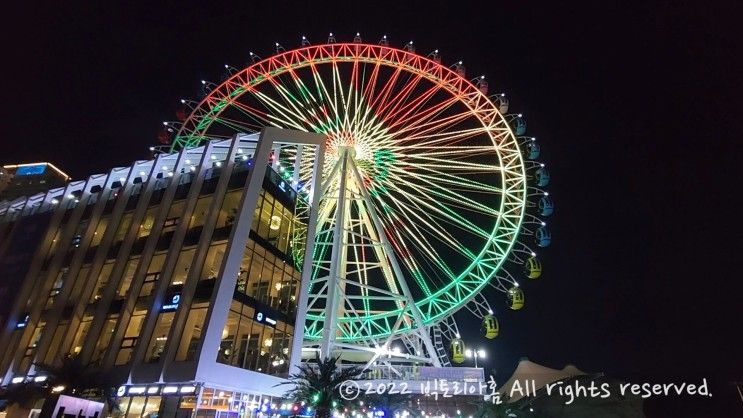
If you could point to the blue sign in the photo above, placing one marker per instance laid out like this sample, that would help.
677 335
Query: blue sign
30 170
263 319
23 323
173 304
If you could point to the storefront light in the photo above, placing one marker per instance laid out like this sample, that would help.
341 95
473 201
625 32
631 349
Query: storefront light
188 389
170 389
153 390
18 379
137 390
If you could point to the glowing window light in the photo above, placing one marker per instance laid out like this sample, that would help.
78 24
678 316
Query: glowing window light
275 222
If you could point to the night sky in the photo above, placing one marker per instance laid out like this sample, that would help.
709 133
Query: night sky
637 109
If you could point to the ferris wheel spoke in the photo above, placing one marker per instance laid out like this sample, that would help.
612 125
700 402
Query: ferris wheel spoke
367 223
305 91
380 101
291 116
323 93
436 164
421 117
291 103
285 117
434 228
434 192
260 118
427 126
440 234
442 139
446 214
371 83
409 108
338 90
237 126
361 272
453 192
452 152
418 237
448 182
400 99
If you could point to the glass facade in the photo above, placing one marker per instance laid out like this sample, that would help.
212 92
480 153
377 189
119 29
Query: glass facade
267 280
132 284
210 403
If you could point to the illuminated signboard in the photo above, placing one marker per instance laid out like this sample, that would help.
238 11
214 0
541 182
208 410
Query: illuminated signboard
30 170
22 323
262 318
172 304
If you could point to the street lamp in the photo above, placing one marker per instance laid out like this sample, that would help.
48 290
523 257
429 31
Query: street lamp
479 353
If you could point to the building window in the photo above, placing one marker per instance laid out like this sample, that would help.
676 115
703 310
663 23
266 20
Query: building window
82 332
145 228
126 281
109 327
158 342
98 233
30 352
273 222
252 345
228 212
129 342
101 282
150 280
136 406
153 274
268 279
192 333
213 262
185 258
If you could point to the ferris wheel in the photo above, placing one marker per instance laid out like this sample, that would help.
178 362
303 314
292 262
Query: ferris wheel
431 192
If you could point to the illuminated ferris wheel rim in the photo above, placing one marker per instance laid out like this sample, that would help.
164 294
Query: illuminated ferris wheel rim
455 294
198 122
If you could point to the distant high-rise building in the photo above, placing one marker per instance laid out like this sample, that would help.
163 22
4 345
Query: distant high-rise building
18 180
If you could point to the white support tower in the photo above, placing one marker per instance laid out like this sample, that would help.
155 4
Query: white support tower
348 213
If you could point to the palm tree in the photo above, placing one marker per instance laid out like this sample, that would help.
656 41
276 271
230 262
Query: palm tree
319 384
78 377
70 372
23 396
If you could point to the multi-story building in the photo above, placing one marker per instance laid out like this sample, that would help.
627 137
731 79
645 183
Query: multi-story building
185 276
18 180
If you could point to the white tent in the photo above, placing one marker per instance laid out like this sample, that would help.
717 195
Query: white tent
534 376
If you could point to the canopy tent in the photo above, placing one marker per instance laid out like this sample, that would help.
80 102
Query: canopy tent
528 371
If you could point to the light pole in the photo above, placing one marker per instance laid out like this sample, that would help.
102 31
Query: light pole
479 353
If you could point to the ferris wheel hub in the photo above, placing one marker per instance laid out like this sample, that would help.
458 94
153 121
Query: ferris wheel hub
350 149
350 139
